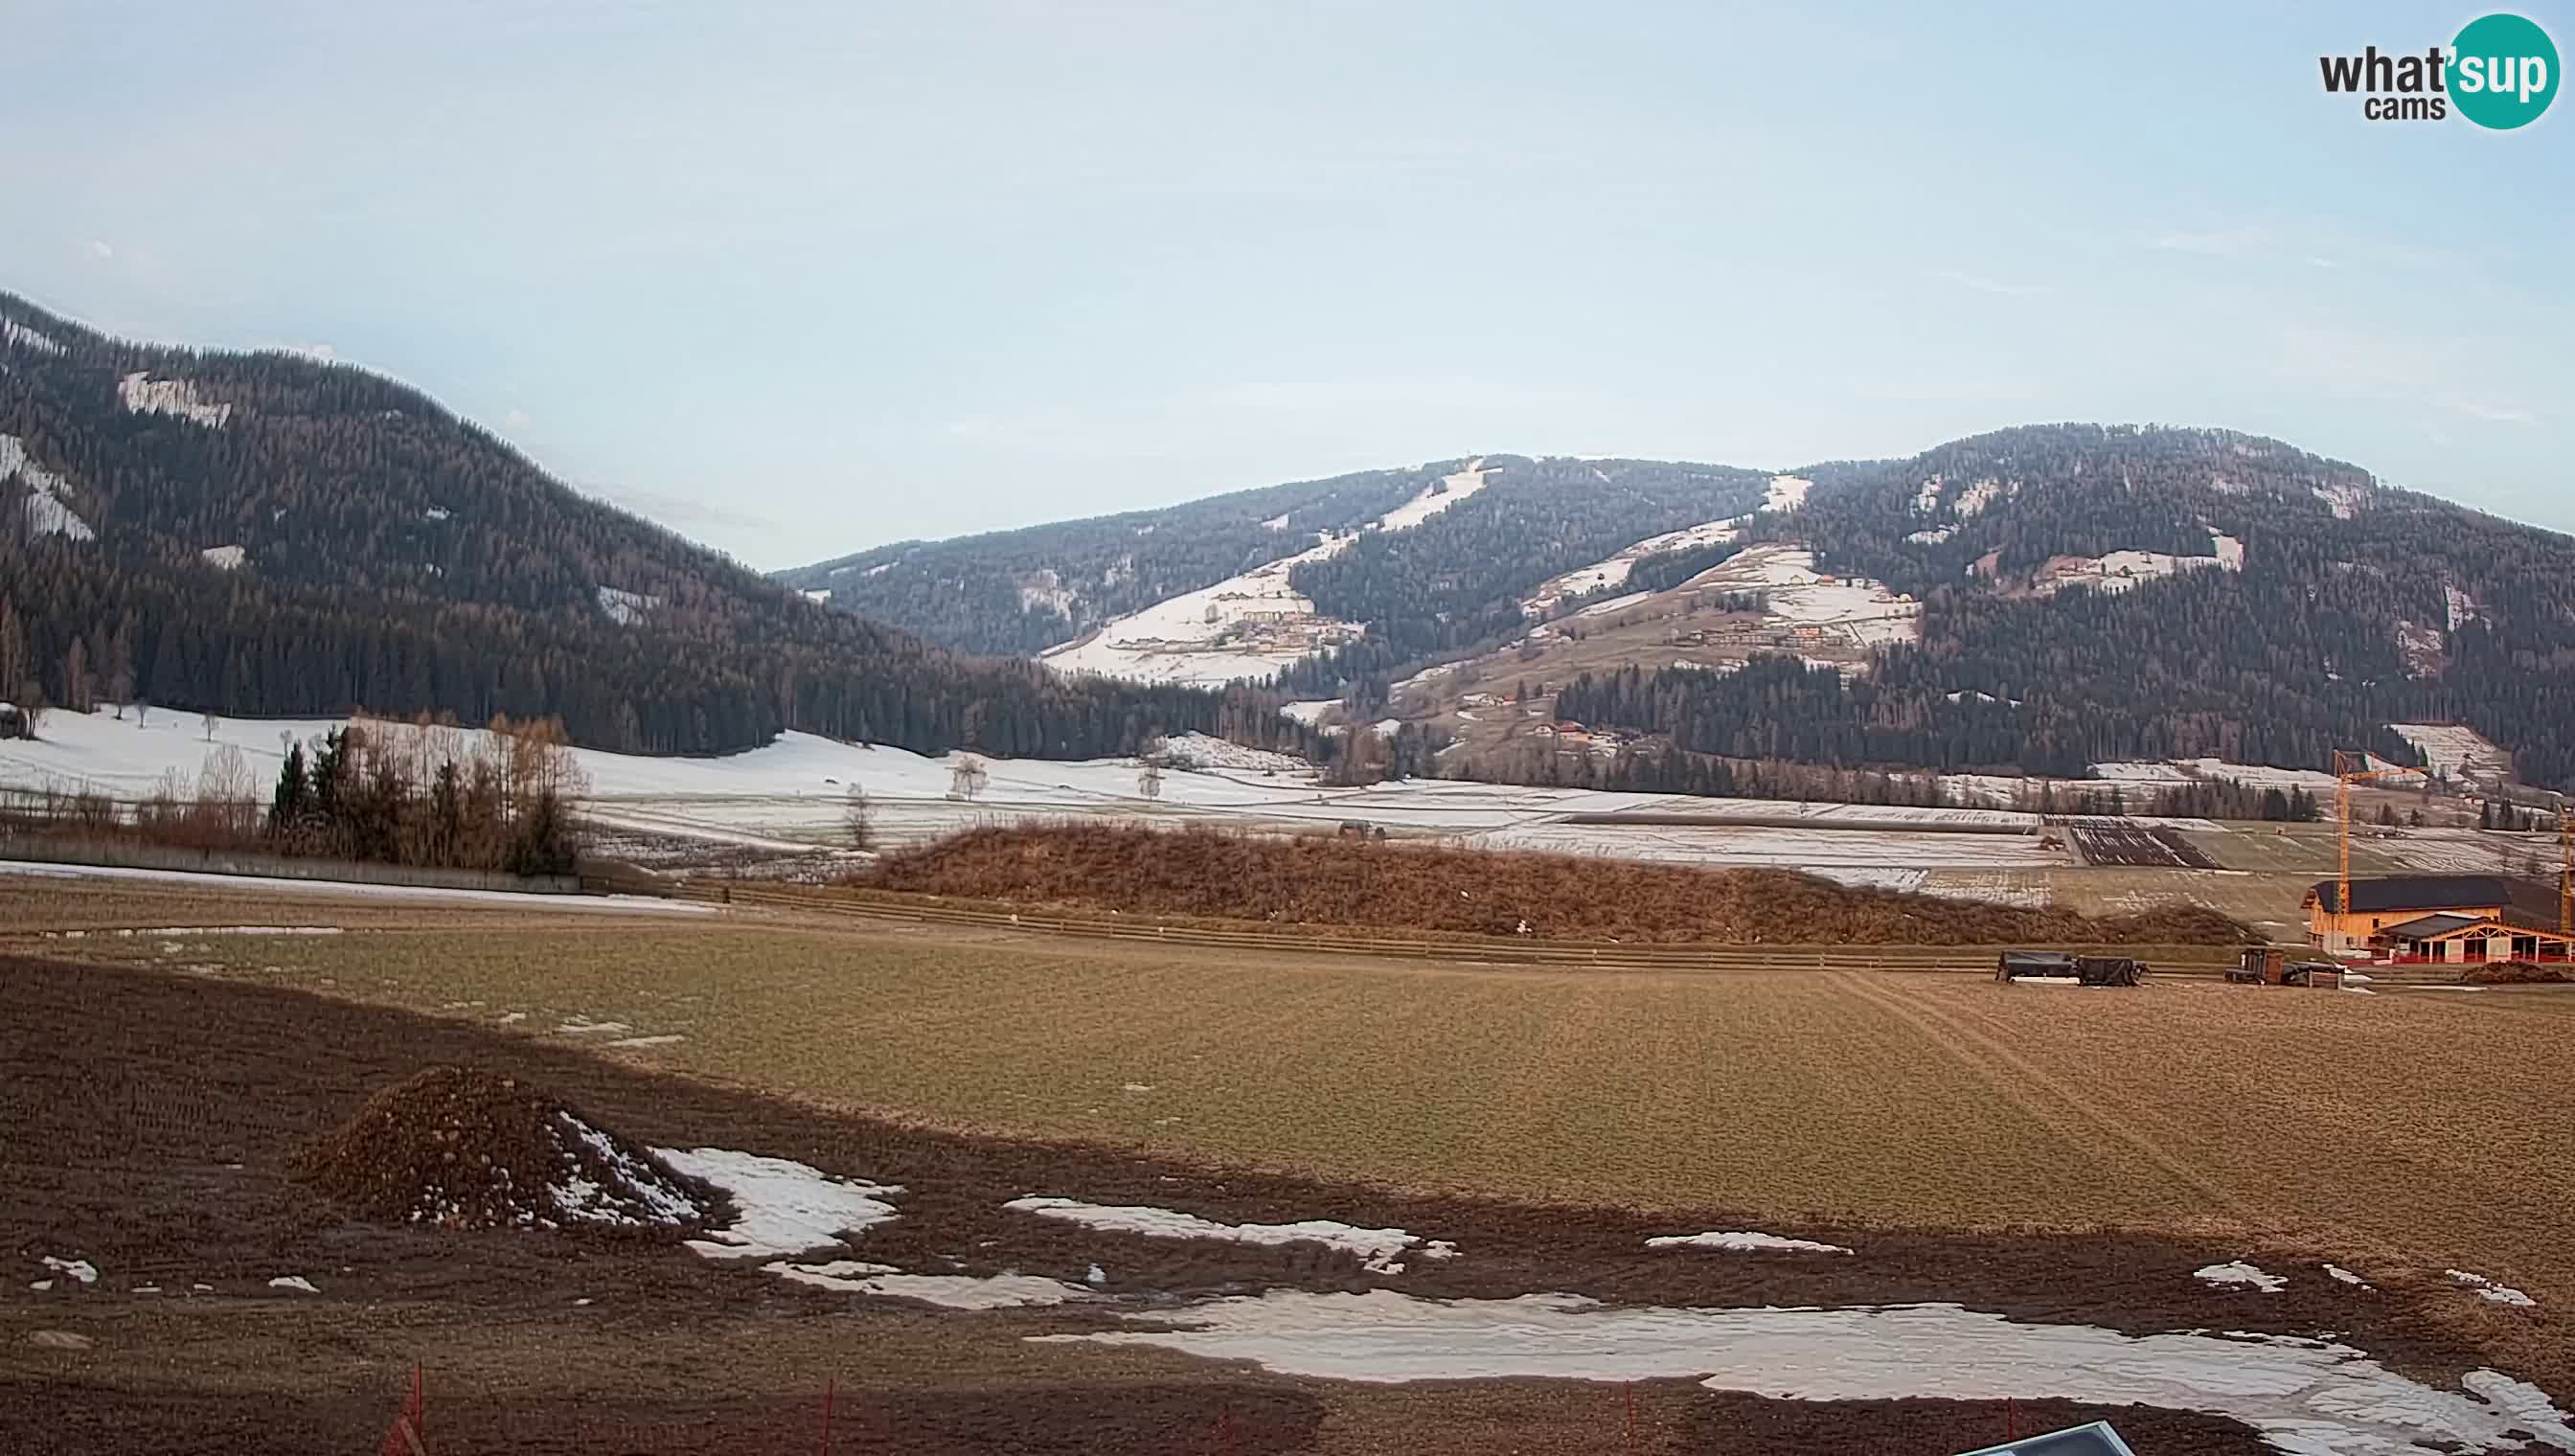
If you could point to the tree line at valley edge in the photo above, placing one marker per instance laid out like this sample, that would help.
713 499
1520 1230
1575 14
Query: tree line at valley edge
268 535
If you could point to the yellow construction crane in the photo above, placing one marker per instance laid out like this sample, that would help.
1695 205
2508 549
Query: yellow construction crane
2345 779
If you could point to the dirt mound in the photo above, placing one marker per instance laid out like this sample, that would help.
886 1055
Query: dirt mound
1317 880
461 1147
2514 973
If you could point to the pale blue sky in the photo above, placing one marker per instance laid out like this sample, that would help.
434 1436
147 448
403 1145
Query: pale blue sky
797 277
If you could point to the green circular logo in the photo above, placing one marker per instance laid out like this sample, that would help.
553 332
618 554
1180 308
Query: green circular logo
2503 71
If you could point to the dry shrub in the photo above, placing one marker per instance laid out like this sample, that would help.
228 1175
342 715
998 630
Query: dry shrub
1320 880
2513 973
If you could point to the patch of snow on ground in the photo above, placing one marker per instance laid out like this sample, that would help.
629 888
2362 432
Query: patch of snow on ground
1377 1248
14 333
1046 592
584 1027
1785 492
436 513
223 557
1309 711
2314 1397
1977 497
47 514
637 1195
2119 570
1247 626
818 593
2342 1275
626 609
783 1207
2453 751
238 931
2489 1289
1927 499
1276 523
1600 575
666 1040
144 395
951 1291
293 1282
2240 1272
1743 1243
1451 491
1853 612
1614 603
1204 751
2463 609
1932 537
80 1270
2344 501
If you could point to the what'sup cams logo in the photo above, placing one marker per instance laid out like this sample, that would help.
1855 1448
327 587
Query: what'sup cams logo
2500 71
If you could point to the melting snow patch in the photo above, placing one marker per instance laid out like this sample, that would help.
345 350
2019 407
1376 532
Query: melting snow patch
81 1270
1743 1244
584 1027
293 1282
1377 1247
144 395
626 608
2313 1397
237 930
14 333
2342 1275
2489 1289
662 1040
954 1291
1785 492
223 557
783 1207
2240 1272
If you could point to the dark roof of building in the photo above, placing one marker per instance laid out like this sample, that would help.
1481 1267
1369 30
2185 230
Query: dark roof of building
2096 1439
2430 926
2417 892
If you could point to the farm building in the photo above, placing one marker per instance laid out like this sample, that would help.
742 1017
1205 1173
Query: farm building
2435 917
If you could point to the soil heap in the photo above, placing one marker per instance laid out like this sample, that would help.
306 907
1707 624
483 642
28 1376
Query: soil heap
463 1147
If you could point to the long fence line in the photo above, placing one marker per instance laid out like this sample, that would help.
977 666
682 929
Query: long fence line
2202 960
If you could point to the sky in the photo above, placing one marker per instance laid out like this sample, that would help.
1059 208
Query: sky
796 279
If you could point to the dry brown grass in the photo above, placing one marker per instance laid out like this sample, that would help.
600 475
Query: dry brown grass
1331 881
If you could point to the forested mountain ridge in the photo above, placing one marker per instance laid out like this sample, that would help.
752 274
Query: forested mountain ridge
266 534
2085 593
2097 593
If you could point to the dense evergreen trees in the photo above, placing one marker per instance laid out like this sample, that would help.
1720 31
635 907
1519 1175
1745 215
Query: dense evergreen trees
398 559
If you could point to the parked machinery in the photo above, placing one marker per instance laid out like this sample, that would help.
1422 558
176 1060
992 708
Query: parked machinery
2090 970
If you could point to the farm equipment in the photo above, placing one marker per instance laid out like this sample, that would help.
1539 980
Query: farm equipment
2110 971
2050 963
2271 965
2090 970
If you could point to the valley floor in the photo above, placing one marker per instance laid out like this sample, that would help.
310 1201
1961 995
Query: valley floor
2065 1160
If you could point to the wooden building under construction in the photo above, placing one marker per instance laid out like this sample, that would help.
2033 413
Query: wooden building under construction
2461 917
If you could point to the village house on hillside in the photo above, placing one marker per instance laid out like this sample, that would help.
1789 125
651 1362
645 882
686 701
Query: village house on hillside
2463 918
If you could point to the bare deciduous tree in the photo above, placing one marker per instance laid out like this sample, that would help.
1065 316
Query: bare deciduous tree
858 820
966 778
1149 779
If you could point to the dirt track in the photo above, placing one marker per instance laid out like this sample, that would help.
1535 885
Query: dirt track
148 1117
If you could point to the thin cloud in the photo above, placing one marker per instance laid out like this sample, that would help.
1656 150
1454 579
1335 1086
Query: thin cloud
2314 261
100 250
2495 414
1986 285
515 418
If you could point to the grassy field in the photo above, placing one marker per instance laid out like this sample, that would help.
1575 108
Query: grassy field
2411 1125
